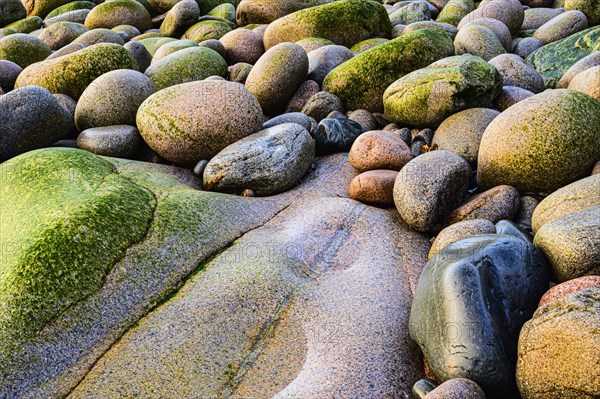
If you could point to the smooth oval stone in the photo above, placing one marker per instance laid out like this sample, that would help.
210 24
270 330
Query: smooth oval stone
12 10
590 61
363 46
374 187
469 305
68 49
558 349
572 198
312 43
448 29
58 35
515 72
324 59
277 157
500 202
9 71
568 287
26 25
587 82
179 18
225 11
267 11
379 150
361 81
527 46
527 205
571 244
239 72
427 96
409 13
31 118
23 49
119 12
461 133
429 187
478 40
71 74
344 22
536 17
242 45
77 16
454 11
206 30
72 6
366 119
276 76
128 91
543 143
509 12
423 387
121 141
307 89
561 26
126 31
500 30
320 105
511 228
184 123
462 388
591 9
187 65
458 231
99 35
509 96
291 117
139 53
172 47
335 135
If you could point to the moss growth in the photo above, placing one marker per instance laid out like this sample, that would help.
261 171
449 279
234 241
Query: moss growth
554 59
225 11
367 44
72 73
67 217
455 10
41 8
73 6
12 10
152 44
187 65
6 32
361 81
409 13
23 49
119 12
206 30
26 25
207 5
344 22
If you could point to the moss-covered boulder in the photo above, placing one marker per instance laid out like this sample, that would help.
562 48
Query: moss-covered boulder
225 11
267 11
427 96
41 8
6 32
554 59
99 35
172 47
69 7
454 11
12 10
72 73
119 12
193 121
206 30
152 44
344 22
542 143
23 49
187 65
591 9
58 35
361 81
179 18
89 219
26 25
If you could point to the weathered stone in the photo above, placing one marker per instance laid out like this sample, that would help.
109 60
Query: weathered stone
509 96
139 53
448 29
561 26
324 59
515 72
364 45
457 388
455 10
12 10
590 61
242 45
119 12
335 135
478 40
591 9
320 105
510 12
458 231
267 11
119 141
379 150
374 187
172 47
58 35
587 82
206 30
568 287
179 18
9 71
23 49
536 17
524 48
498 203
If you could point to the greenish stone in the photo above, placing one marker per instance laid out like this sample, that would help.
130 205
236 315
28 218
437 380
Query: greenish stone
12 10
252 12
6 32
152 44
41 8
72 6
171 47
454 11
26 25
545 143
187 65
427 96
225 11
99 35
361 81
591 9
72 73
207 5
367 44
409 13
23 49
206 30
554 59
65 232
119 12
344 22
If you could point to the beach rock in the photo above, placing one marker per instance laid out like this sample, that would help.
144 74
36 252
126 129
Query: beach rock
187 65
561 26
242 45
524 48
172 47
267 11
429 187
374 187
313 43
119 12
461 133
324 59
77 16
472 298
427 96
409 13
496 204
587 82
23 49
99 35
127 32
536 17
344 22
568 287
448 29
379 150
550 136
367 44
12 10
500 30
587 62
307 89
26 25
139 53
205 30
277 75
31 118
361 81
267 162
515 72
554 59
184 123
454 11
591 9
478 40
558 349
458 231
128 89
121 141
366 119
571 244
509 12
179 18
320 105
9 71
291 117
335 135
457 388
509 96
527 205
58 35
239 72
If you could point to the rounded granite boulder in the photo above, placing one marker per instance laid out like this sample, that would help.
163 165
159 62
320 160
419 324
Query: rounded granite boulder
267 11
60 34
458 231
587 82
179 18
12 10
242 45
9 71
374 187
172 47
119 12
561 26
205 30
187 65
121 141
72 73
379 149
128 89
23 49
541 144
193 121
344 22
591 9
478 40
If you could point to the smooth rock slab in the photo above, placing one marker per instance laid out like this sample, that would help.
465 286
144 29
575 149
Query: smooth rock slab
119 141
268 162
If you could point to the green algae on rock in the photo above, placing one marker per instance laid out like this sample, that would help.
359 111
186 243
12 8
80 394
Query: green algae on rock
206 30
427 96
72 6
26 25
152 44
119 12
361 81
541 144
72 73
454 11
267 11
591 9
12 10
65 233
554 59
344 22
41 8
186 65
23 49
